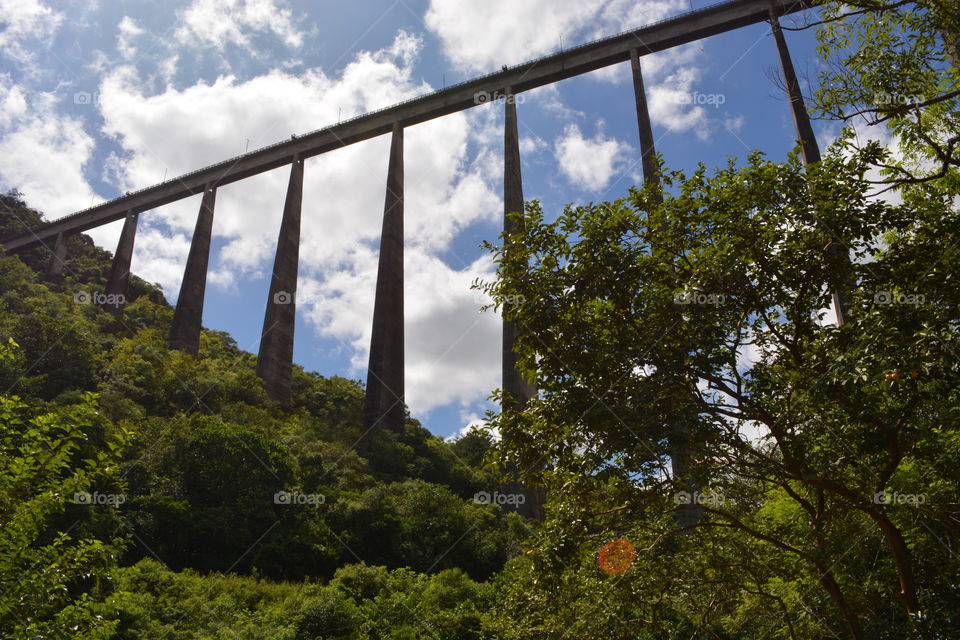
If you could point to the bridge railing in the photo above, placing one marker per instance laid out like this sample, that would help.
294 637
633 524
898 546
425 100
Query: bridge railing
426 96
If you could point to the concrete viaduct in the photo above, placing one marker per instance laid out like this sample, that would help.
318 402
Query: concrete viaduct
384 406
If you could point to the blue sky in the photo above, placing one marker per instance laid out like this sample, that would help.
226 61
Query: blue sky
97 98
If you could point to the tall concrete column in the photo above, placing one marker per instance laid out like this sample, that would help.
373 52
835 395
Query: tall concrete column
811 153
188 316
648 150
275 358
119 277
519 390
384 406
801 120
685 515
55 267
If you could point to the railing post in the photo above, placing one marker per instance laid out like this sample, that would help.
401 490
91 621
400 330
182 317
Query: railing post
275 357
119 278
384 406
188 316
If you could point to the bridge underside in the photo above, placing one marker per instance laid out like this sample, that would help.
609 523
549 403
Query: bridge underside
570 63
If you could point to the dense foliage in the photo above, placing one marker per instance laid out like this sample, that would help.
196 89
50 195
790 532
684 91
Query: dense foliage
824 459
185 461
360 601
779 475
48 465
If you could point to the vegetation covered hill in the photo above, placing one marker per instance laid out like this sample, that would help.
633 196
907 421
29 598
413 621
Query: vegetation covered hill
202 474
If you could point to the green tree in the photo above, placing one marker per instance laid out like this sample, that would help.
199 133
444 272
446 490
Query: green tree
699 318
896 66
53 582
203 494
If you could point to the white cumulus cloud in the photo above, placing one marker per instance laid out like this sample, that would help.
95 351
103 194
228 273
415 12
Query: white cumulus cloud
480 36
218 23
589 163
128 30
24 20
51 151
674 103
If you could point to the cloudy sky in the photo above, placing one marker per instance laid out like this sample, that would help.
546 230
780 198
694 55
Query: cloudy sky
101 97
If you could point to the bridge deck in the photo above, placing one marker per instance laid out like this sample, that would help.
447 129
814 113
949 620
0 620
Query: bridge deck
666 34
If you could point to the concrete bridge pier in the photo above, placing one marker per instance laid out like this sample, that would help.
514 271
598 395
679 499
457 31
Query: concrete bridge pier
648 150
275 357
685 514
119 277
55 266
801 120
811 152
384 403
519 390
188 316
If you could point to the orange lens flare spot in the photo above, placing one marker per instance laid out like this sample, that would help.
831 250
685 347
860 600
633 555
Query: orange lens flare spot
616 556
